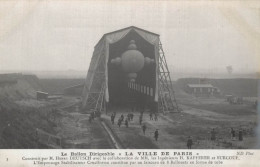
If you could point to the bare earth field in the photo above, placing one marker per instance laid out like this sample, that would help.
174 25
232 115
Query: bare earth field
196 120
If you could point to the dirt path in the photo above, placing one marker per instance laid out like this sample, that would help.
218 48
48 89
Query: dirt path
131 137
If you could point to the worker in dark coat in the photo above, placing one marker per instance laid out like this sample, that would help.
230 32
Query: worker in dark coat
140 120
126 123
189 142
113 118
151 116
213 134
122 117
119 122
129 117
233 134
240 135
144 128
155 117
156 135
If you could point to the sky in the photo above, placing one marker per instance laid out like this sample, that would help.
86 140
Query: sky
60 35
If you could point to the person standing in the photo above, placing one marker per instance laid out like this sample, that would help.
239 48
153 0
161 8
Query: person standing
189 142
240 135
156 135
113 121
122 117
140 120
112 118
119 122
128 117
126 123
132 116
93 115
233 134
155 117
151 116
144 128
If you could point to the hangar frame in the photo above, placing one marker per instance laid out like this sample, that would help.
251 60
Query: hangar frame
166 103
95 92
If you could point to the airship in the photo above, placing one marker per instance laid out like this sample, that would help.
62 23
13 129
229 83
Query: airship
132 61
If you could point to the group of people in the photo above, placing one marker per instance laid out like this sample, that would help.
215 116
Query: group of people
153 116
130 117
213 136
232 132
156 133
93 115
122 119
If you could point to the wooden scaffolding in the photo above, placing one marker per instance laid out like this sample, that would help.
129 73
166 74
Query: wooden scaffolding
166 101
96 95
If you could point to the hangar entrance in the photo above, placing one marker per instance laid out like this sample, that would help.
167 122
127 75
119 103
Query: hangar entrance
113 83
123 93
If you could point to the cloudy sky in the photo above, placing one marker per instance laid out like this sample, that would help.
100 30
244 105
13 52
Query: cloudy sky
60 35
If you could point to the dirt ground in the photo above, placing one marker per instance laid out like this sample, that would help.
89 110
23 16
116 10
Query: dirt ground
60 121
197 119
29 123
18 125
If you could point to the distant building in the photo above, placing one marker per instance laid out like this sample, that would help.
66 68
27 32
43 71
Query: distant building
75 90
202 89
42 95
